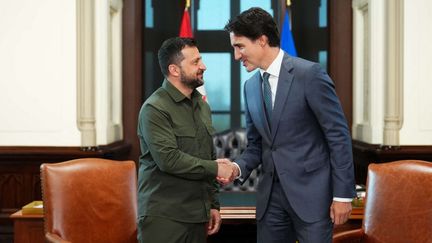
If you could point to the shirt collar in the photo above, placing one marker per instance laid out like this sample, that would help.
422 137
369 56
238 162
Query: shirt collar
175 94
275 66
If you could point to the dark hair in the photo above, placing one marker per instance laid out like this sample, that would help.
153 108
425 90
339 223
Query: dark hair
170 52
254 23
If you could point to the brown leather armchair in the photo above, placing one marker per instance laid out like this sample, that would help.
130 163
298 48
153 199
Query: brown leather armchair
398 206
90 200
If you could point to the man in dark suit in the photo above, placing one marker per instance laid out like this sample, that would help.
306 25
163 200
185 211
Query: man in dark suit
297 132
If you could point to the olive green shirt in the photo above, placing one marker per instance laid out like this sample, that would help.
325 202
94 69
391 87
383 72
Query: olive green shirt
177 171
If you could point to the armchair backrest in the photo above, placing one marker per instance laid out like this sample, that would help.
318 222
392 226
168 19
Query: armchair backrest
231 144
90 200
398 204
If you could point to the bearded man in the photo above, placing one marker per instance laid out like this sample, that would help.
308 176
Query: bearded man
177 187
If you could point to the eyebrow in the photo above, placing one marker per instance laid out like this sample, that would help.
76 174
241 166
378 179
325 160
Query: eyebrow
196 59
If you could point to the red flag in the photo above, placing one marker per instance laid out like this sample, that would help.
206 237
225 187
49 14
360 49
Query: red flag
186 32
185 27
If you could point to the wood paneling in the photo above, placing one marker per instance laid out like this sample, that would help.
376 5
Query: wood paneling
20 174
340 52
364 154
132 71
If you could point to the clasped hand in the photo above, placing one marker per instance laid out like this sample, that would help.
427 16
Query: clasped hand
227 171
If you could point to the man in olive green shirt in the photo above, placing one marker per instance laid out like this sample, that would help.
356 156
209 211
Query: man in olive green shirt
177 187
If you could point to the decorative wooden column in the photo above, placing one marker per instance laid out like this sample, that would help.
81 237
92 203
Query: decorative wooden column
393 117
86 118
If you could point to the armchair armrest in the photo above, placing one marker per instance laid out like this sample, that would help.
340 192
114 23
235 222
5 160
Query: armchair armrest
53 238
351 236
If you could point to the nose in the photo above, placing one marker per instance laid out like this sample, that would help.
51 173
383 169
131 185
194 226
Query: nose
203 66
237 54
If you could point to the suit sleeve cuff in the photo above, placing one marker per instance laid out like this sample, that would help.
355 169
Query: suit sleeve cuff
341 199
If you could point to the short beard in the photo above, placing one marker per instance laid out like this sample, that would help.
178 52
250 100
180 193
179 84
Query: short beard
192 83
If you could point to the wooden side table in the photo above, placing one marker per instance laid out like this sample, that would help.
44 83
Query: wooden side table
28 228
239 224
239 213
246 215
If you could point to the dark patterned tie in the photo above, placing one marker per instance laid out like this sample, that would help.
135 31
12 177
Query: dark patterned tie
267 95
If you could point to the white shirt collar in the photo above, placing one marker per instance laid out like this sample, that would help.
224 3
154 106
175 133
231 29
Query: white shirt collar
275 66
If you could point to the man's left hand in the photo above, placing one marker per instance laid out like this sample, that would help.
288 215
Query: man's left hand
215 222
340 212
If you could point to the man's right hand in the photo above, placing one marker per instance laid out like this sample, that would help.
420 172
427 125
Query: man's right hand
227 171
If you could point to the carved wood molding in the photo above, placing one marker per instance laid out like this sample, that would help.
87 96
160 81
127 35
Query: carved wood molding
383 153
117 150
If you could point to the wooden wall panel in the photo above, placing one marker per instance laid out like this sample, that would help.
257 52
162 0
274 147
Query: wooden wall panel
20 174
364 154
340 52
132 72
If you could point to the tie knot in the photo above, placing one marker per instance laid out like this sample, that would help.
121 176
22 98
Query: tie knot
266 76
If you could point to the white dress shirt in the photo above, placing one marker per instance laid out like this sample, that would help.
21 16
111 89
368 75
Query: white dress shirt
274 70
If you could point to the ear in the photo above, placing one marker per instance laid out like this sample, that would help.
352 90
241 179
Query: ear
263 40
174 70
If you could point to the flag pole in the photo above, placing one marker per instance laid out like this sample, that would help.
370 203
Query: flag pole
186 31
192 13
288 6
287 40
187 7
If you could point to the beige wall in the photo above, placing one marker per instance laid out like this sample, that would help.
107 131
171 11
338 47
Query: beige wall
47 96
37 73
392 77
417 125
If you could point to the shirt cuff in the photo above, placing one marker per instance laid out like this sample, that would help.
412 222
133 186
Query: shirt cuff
341 199
238 167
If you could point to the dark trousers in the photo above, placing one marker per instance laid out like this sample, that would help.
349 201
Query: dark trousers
280 224
163 230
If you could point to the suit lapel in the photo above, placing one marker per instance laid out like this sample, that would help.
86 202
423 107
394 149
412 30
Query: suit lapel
284 85
256 105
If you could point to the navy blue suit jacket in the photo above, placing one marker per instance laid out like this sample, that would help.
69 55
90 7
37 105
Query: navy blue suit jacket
308 146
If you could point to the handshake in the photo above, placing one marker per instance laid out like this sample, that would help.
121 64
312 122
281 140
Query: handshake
227 171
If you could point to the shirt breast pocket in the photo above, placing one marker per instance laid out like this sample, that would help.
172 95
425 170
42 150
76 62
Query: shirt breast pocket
186 138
